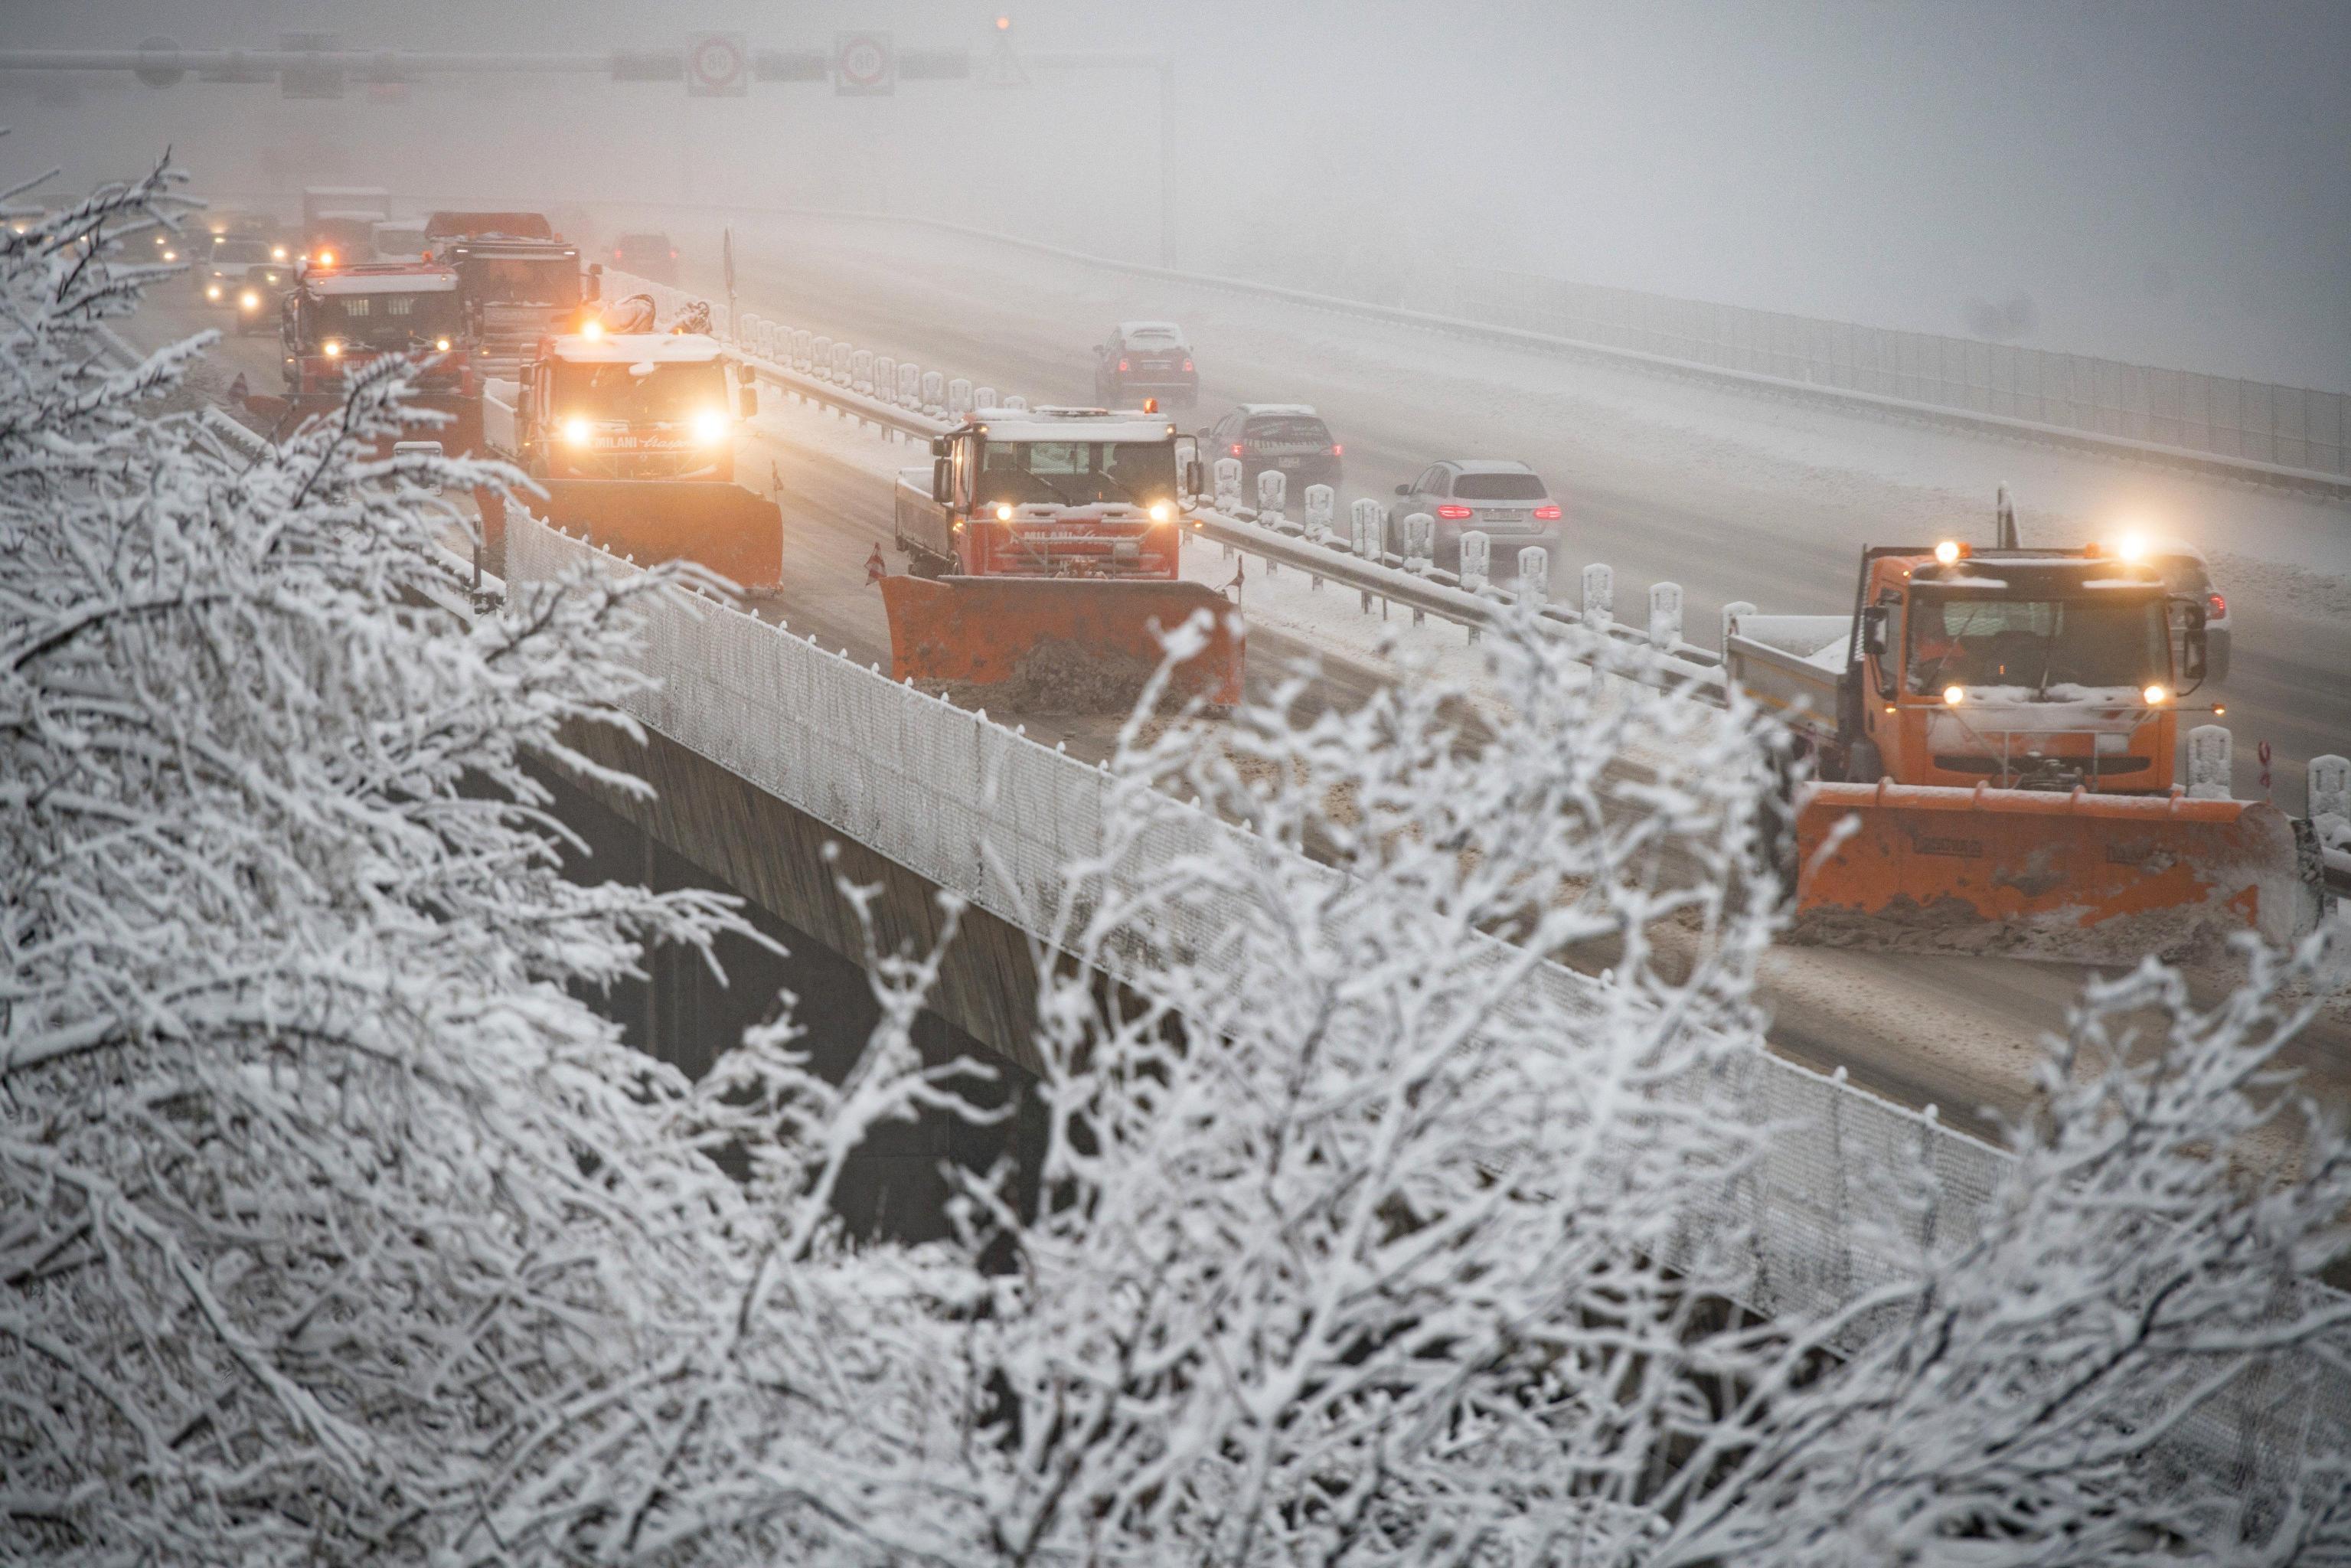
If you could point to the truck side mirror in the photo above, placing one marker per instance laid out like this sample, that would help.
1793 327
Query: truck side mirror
746 374
1873 631
2194 650
750 403
942 480
938 446
1195 478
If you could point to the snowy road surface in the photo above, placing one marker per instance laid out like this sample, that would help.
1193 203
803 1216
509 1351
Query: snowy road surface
1954 1032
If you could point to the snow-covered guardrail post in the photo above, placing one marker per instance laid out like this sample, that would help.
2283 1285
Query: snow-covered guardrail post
934 392
1419 552
1730 615
1366 520
861 371
1534 575
1599 596
2212 762
1016 405
985 397
821 357
845 356
2330 790
1319 501
1228 486
1664 616
1272 492
910 386
803 347
959 398
1477 560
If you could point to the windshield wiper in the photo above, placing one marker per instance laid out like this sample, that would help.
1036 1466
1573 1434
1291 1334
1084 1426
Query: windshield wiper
1055 489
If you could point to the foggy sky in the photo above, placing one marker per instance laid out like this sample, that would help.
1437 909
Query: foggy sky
2144 179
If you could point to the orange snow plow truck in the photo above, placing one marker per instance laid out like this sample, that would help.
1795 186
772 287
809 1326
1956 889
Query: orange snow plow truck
1993 736
1044 549
631 434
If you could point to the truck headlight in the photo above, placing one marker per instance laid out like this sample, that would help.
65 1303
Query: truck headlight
710 427
211 291
248 300
1003 511
1159 512
441 344
1954 695
2155 695
333 348
575 432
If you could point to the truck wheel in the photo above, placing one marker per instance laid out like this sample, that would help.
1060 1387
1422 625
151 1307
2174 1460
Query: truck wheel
1862 765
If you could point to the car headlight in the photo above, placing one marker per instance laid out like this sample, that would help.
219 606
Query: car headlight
575 432
276 253
211 291
170 255
250 300
710 427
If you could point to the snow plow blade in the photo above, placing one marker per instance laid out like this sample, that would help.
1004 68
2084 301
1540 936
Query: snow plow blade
723 527
1068 645
2030 873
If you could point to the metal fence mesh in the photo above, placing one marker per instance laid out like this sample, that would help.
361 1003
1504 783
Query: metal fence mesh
2250 422
1835 1207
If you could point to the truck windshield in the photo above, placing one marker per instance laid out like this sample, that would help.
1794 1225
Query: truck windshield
383 321
671 394
1079 473
2106 640
517 280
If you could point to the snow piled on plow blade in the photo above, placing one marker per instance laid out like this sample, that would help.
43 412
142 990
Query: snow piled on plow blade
2080 876
1058 644
712 523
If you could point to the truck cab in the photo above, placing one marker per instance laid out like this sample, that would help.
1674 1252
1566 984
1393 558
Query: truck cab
338 319
517 290
1050 492
2019 669
629 405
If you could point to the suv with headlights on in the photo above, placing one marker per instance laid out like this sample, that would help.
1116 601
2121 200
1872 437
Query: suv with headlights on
1504 499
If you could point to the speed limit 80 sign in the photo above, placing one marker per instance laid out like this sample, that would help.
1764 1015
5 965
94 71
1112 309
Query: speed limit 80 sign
717 64
863 63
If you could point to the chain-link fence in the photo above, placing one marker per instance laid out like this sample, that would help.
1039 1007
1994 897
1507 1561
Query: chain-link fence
998 818
2246 422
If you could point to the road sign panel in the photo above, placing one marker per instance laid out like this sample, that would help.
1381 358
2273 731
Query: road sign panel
863 63
717 64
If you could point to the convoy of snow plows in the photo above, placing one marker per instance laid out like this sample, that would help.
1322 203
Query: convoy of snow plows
1989 738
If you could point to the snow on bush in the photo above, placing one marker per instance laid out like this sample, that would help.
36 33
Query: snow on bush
333 1229
314 1182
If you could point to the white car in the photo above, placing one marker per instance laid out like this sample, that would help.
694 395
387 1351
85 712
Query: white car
1505 499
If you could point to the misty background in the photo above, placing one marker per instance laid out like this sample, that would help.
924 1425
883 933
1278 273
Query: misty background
2146 180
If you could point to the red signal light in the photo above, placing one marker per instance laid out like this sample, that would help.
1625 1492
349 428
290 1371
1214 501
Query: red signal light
1453 514
1548 514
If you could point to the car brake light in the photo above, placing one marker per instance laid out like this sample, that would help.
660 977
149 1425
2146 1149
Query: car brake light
2215 607
618 253
1237 449
672 256
1548 514
1337 450
1188 366
1453 514
1122 367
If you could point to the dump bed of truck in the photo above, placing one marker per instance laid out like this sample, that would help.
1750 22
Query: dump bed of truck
1790 663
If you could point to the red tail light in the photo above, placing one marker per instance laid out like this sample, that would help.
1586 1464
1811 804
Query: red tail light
1237 449
618 253
1336 450
2215 607
1548 514
672 256
1122 367
1453 514
1187 367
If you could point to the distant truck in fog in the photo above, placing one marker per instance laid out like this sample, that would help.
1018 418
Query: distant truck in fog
338 222
520 280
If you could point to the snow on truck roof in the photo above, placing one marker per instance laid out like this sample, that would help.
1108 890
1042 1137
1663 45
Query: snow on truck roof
637 348
383 280
1071 425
